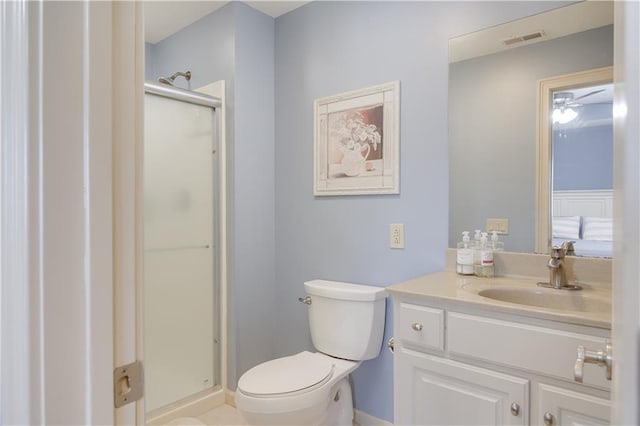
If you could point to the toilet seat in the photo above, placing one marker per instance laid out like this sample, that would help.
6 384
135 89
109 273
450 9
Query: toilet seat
287 376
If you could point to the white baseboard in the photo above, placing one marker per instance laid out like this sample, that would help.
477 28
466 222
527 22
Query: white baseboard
364 419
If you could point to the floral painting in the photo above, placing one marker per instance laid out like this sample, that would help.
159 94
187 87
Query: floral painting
356 142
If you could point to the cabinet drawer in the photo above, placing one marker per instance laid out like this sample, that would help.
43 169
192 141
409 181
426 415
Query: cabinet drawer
540 350
420 326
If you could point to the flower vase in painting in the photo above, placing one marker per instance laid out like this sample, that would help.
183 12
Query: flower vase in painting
355 147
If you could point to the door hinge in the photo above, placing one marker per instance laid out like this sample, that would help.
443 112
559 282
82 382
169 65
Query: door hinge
128 384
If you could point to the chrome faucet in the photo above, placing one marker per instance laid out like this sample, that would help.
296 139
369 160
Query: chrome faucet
557 271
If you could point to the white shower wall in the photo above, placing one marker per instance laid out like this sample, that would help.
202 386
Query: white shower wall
179 292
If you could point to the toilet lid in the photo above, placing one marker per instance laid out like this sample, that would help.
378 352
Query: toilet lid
285 375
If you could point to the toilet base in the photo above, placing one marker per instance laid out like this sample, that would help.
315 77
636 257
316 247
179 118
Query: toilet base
340 411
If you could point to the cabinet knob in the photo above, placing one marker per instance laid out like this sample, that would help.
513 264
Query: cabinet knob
548 419
416 326
515 409
602 358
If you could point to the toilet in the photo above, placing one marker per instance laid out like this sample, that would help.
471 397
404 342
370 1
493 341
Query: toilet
312 388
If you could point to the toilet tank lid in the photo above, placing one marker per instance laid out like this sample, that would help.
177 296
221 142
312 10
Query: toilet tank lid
344 291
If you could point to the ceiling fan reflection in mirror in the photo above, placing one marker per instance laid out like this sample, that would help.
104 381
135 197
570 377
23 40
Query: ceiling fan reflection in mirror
563 104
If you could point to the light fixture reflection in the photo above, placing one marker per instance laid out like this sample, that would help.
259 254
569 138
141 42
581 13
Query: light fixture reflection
563 116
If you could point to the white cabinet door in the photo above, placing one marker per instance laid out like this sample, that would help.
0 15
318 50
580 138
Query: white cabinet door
564 407
437 391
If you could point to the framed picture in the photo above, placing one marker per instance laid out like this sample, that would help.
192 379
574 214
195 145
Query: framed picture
356 142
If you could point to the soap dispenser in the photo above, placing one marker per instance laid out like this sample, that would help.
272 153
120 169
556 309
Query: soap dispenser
496 245
464 256
483 265
476 245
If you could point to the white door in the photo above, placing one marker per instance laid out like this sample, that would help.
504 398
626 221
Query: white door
437 391
57 266
626 274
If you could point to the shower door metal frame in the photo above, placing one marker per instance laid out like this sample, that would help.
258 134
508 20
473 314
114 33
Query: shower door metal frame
181 95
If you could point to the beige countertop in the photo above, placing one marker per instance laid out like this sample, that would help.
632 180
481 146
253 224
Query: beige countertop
462 290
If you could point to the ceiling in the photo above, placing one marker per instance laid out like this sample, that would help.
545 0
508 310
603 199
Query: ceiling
163 18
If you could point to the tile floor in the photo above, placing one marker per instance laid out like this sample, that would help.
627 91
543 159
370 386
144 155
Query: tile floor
225 415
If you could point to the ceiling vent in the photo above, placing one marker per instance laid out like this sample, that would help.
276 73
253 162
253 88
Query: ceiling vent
523 38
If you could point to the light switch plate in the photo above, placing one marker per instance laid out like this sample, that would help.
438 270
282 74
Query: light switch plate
501 226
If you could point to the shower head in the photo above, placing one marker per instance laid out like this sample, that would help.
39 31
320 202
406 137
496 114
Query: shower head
171 80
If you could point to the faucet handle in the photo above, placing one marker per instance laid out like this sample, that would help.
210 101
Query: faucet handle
557 252
568 248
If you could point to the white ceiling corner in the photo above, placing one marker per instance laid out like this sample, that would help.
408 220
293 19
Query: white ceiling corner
163 18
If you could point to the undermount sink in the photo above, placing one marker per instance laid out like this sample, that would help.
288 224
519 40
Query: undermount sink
577 301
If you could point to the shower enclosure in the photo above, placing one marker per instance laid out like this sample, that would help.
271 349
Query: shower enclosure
181 300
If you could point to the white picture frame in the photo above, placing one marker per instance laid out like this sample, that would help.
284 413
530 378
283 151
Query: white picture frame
356 142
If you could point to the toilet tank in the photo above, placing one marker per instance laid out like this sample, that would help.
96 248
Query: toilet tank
346 320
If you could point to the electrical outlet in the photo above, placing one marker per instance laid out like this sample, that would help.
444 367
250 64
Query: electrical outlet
396 235
501 226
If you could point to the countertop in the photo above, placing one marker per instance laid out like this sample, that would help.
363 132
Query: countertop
457 289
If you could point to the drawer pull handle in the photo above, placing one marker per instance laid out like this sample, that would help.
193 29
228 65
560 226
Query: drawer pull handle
602 358
515 409
548 419
416 326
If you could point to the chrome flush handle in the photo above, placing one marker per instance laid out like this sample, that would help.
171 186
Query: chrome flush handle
305 300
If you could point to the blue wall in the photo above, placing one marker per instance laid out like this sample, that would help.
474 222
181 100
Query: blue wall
282 234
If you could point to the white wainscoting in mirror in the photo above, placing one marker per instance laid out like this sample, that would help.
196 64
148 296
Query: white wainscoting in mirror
583 203
591 213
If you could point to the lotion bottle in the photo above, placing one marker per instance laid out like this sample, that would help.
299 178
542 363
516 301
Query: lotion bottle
464 256
483 266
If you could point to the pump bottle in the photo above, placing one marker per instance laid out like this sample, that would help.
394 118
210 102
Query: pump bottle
464 256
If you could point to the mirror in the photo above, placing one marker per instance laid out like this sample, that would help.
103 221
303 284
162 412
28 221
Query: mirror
493 106
575 163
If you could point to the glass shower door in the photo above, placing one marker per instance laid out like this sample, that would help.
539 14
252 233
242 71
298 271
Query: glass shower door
179 294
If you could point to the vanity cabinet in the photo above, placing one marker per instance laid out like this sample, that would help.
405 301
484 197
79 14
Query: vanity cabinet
454 365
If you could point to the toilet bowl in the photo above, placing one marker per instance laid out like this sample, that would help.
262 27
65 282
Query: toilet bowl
312 388
304 389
